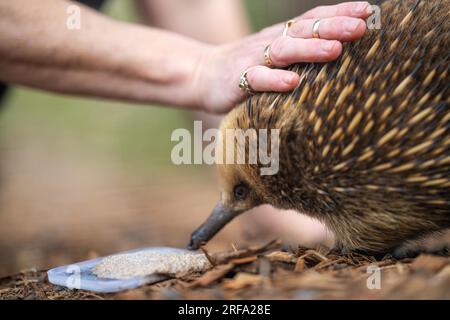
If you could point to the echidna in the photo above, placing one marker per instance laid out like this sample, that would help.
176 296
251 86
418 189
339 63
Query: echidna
364 141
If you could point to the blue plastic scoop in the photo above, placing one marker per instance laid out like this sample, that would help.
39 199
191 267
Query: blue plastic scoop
83 275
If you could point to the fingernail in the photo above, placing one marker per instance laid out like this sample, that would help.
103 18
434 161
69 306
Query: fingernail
328 45
360 8
289 79
350 25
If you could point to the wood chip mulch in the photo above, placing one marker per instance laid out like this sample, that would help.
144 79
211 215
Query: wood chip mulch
268 272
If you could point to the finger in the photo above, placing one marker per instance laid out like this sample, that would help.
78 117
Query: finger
337 28
360 9
286 50
263 79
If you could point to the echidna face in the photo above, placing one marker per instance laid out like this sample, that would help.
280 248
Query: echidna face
237 195
237 181
237 191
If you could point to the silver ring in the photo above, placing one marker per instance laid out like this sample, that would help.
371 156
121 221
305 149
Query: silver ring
287 25
244 85
267 58
316 29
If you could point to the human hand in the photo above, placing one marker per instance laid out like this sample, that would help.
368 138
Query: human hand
221 68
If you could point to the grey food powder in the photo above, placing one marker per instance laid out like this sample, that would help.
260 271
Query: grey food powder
128 265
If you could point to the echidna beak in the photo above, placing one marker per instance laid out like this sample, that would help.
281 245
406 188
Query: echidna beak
215 222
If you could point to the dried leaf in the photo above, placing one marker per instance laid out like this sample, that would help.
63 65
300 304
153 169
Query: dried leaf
242 280
213 275
241 261
279 256
300 265
225 257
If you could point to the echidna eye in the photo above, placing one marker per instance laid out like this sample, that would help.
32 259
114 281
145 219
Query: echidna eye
240 191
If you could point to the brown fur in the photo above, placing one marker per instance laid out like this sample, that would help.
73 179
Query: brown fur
365 140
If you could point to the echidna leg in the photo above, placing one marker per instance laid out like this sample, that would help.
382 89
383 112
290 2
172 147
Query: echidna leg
340 248
436 243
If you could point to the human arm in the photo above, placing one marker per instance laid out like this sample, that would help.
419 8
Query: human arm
213 22
105 58
117 60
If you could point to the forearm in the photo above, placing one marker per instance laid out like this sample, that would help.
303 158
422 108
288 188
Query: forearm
215 22
104 58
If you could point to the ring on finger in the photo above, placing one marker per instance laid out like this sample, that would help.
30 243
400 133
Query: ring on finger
287 25
267 58
244 85
316 29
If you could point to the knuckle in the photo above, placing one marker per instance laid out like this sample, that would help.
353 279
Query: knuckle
300 29
337 24
321 50
340 20
277 51
326 25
